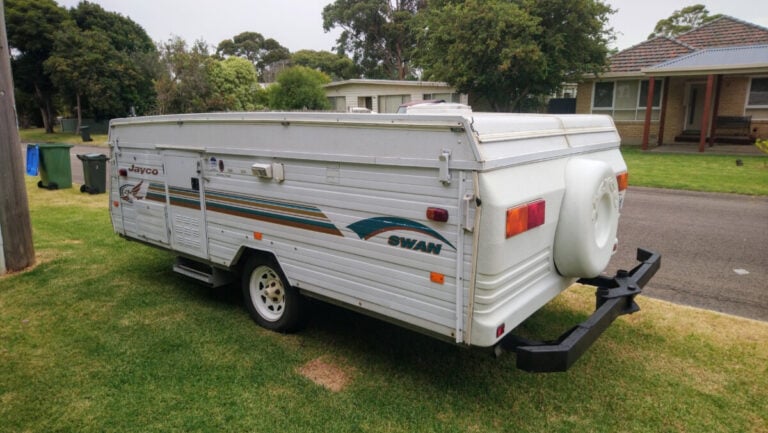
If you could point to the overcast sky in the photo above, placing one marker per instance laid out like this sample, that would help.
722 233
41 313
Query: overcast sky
297 24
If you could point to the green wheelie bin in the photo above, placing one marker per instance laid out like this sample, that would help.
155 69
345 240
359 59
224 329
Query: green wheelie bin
55 168
94 173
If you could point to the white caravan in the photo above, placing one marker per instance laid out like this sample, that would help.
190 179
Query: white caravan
460 225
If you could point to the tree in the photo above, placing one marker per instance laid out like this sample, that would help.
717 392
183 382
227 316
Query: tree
299 88
32 26
184 87
254 47
683 20
234 85
511 51
338 67
78 66
130 53
376 32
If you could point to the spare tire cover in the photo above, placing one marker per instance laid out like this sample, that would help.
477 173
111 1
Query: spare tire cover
589 217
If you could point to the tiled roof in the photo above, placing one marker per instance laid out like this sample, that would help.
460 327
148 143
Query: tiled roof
723 32
648 53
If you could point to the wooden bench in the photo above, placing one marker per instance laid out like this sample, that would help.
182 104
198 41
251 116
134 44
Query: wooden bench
735 129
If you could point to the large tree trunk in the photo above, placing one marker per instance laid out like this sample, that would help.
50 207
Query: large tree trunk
46 109
15 226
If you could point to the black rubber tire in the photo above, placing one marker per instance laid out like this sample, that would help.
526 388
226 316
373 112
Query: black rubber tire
270 300
40 184
53 185
84 188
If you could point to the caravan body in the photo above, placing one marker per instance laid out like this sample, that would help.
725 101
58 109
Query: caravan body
458 225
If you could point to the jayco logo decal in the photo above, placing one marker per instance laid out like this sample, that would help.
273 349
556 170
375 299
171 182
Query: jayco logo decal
144 170
371 227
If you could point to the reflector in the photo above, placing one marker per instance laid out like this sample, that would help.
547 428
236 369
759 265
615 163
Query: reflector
517 220
437 214
623 180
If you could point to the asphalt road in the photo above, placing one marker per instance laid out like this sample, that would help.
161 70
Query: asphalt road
714 248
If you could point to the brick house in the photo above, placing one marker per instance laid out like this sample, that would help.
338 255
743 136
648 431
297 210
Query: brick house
707 85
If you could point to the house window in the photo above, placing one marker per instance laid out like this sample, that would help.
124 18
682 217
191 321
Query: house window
447 97
644 93
338 103
758 92
626 99
604 94
390 103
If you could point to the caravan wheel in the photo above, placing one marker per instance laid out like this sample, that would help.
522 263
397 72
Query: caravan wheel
270 300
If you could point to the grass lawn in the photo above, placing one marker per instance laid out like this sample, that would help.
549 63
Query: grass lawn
101 336
696 172
38 135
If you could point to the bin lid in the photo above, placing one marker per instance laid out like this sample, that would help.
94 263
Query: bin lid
92 156
54 145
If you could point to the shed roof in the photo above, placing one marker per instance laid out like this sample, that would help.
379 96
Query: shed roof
733 59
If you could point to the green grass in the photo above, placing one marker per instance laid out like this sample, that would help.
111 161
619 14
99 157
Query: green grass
695 172
38 135
101 336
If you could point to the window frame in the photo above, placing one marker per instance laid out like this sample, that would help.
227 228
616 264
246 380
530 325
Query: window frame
638 110
747 105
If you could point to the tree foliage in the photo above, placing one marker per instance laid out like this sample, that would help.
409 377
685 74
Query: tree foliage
194 81
683 20
376 32
262 52
103 63
184 87
299 88
509 51
31 26
97 61
338 67
234 85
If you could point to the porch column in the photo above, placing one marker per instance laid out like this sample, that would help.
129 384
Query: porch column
715 110
648 111
663 114
705 115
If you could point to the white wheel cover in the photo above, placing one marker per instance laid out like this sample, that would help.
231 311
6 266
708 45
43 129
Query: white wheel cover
589 219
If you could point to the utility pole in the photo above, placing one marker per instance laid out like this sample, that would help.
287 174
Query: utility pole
18 251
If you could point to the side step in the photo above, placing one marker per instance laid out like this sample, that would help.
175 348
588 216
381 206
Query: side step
209 275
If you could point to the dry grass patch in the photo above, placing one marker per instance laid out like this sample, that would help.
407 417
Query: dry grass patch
327 373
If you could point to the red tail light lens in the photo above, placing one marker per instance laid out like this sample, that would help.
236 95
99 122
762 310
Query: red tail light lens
525 217
536 212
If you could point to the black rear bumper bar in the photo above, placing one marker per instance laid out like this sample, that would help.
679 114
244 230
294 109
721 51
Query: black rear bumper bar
614 297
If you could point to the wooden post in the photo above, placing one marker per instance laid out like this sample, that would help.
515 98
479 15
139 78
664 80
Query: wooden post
15 226
663 114
716 110
705 115
648 112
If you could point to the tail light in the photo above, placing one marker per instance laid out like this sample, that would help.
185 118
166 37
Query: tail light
525 217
